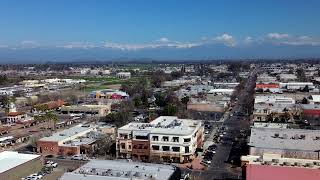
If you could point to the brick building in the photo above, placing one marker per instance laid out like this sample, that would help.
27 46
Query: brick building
71 141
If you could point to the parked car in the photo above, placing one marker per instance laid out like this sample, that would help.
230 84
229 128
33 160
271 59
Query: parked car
79 157
61 157
51 164
206 161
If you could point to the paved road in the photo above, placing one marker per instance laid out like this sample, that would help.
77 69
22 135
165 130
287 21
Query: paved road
220 167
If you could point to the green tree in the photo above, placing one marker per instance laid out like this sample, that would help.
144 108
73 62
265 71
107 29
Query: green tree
51 117
137 101
160 100
170 110
185 100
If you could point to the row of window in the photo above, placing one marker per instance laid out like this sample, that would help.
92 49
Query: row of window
166 139
167 148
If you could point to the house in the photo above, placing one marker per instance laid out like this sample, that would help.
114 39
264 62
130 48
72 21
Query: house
13 116
166 139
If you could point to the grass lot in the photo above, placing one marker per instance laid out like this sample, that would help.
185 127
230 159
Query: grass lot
100 83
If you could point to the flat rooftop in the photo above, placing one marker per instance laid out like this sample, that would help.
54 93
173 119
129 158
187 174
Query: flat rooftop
69 133
286 139
11 159
165 125
120 170
277 160
270 125
273 99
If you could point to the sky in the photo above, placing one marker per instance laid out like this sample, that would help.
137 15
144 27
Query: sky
158 29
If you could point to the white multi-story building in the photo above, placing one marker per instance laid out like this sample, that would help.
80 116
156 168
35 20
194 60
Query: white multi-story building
166 138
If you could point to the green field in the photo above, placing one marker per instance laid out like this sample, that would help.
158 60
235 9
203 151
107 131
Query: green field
100 83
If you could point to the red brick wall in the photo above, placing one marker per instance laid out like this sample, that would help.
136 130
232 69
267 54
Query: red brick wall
52 148
47 147
140 148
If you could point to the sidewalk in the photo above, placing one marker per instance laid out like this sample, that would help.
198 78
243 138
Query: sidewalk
194 165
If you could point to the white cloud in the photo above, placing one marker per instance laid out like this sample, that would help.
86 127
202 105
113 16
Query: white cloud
163 40
77 45
287 39
135 47
29 44
227 39
248 40
277 36
3 46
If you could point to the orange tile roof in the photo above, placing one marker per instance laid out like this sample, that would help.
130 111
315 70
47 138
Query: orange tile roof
267 86
15 113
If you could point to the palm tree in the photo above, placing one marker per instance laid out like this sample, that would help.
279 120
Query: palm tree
50 116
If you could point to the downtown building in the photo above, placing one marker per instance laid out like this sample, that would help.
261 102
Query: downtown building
166 139
277 167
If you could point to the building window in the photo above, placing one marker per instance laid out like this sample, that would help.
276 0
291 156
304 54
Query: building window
166 148
165 138
187 140
175 139
129 146
155 147
123 145
186 149
142 137
155 138
125 136
176 149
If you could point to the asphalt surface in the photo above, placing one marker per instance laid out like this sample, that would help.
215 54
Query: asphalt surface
221 167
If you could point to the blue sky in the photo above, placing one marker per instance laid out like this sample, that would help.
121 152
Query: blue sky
128 25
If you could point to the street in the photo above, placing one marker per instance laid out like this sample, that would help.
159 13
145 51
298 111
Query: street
220 167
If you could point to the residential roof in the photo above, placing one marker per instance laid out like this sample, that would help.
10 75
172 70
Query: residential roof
15 113
120 170
288 139
11 159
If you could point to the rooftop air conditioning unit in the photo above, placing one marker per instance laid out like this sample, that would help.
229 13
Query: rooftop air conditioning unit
287 163
297 164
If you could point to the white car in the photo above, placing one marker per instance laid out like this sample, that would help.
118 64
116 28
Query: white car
206 161
79 157
51 164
